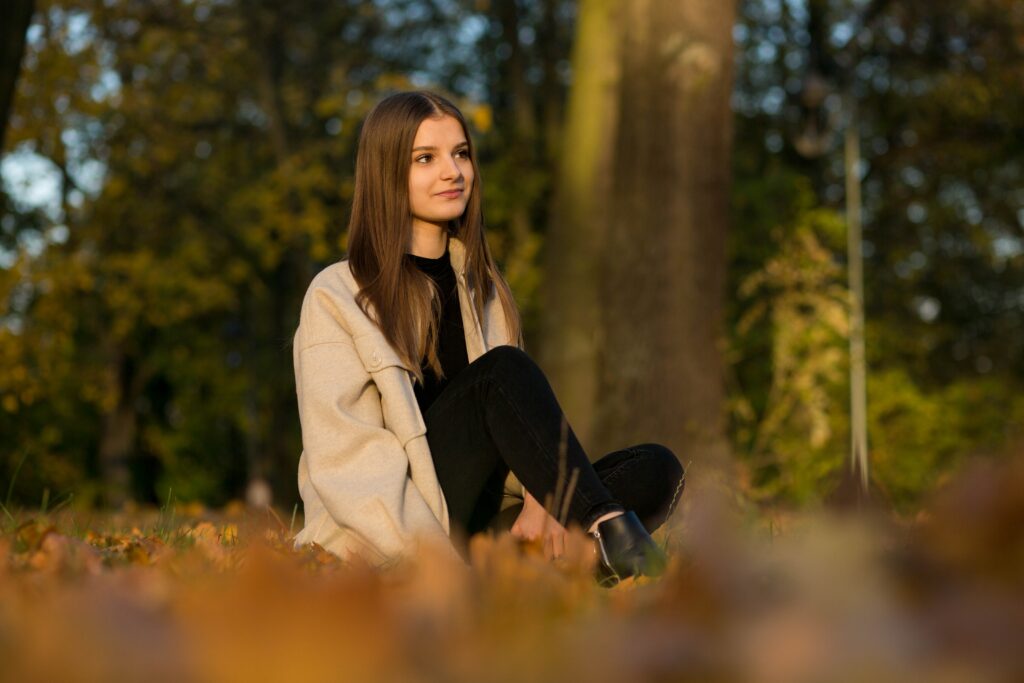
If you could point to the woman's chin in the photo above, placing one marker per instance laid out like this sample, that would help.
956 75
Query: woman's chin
441 219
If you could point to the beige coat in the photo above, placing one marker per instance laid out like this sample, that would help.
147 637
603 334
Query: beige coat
366 475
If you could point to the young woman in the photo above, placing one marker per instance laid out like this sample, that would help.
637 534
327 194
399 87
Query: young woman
420 411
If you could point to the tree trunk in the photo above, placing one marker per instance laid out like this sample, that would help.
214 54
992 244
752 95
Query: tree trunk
15 17
120 427
570 318
663 271
636 267
522 136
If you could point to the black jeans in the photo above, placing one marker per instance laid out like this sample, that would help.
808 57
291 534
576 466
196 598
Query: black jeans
499 413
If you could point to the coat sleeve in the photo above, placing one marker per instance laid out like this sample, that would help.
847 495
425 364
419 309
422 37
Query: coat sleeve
357 467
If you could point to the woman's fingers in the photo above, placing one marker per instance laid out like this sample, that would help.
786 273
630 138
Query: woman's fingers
528 526
554 542
534 522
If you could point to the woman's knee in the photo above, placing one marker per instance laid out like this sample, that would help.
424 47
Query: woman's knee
508 354
665 480
665 458
669 468
509 361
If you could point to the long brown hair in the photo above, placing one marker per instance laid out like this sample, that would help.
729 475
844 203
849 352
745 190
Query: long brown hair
405 302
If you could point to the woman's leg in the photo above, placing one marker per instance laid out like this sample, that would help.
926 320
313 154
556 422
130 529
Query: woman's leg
500 413
646 478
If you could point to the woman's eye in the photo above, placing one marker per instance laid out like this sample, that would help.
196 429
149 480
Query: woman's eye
424 158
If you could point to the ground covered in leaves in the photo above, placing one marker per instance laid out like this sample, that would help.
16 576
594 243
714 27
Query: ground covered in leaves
222 596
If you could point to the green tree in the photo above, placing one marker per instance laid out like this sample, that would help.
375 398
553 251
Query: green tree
942 235
205 153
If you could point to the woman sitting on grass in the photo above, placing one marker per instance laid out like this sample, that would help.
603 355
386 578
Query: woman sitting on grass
418 404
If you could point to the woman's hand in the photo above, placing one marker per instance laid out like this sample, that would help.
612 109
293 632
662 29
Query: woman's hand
534 522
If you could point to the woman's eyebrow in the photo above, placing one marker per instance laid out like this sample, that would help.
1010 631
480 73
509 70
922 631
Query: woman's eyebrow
431 148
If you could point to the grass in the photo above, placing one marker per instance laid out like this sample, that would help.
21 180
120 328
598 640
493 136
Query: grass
181 593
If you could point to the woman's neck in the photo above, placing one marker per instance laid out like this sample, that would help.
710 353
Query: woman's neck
428 240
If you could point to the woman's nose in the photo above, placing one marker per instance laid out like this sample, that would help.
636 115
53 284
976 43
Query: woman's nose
450 169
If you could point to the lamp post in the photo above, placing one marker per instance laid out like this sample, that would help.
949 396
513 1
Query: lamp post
814 140
855 276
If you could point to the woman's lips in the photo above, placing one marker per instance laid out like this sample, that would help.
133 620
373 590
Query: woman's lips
450 194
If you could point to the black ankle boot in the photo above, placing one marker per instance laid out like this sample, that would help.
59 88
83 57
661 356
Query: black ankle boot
626 549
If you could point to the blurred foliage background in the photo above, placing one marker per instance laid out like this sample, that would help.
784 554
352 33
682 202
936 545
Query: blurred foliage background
175 173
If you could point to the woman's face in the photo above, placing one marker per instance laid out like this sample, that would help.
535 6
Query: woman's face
441 173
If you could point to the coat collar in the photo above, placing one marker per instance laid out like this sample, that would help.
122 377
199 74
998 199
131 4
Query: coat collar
372 345
457 254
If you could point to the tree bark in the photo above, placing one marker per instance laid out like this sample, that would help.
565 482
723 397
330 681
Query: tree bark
570 320
636 265
15 17
523 124
120 428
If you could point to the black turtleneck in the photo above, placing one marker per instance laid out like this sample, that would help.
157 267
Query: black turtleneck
451 346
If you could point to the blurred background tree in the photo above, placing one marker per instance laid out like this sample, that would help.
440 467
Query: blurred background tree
941 173
216 140
636 251
14 18
174 173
